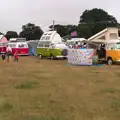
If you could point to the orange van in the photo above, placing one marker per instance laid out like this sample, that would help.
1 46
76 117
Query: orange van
108 50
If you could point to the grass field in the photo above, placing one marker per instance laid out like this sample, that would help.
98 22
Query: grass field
50 90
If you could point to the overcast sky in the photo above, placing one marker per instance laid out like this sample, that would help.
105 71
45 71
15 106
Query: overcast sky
15 13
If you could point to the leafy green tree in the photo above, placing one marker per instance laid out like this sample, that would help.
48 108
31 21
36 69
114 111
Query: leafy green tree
11 34
93 21
31 32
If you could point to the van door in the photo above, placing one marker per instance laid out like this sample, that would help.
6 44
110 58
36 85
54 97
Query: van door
111 52
40 48
47 49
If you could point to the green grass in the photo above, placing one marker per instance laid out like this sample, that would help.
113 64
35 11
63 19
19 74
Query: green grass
5 107
115 104
109 90
27 85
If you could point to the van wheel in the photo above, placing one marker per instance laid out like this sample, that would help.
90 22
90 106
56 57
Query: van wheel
40 56
110 61
52 57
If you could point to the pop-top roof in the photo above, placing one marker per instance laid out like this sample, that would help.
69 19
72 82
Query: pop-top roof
17 39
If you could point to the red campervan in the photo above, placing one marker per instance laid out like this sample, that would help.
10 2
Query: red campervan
21 47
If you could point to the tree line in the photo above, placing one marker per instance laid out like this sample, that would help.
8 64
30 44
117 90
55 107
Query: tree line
91 22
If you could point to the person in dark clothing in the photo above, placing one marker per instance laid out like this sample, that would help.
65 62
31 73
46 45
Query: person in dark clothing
103 51
3 56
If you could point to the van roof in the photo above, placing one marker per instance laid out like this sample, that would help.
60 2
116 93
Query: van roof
17 42
76 39
17 39
106 41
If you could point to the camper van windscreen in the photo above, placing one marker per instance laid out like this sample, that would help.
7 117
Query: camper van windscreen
118 45
21 39
40 44
45 38
22 45
12 45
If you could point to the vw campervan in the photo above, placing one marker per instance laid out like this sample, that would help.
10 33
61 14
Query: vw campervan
108 50
19 45
51 46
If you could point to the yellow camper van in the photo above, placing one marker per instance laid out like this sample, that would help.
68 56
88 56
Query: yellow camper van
107 50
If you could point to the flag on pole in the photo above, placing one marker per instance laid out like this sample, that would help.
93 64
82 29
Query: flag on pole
73 34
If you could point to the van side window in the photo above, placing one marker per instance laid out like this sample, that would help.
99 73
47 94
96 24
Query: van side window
12 45
112 46
52 45
40 45
4 44
108 46
42 38
47 38
21 45
47 45
76 42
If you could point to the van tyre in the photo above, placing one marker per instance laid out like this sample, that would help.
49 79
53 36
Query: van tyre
52 57
40 56
110 61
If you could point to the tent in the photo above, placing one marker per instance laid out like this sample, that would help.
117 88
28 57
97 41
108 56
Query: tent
32 46
3 39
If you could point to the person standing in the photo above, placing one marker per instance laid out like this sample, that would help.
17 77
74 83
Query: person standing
16 56
9 52
3 55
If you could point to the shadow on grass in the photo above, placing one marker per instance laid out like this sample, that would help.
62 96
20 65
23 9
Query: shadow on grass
27 85
115 104
110 90
5 107
117 74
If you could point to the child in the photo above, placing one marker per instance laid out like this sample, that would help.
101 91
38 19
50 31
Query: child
16 57
9 52
3 56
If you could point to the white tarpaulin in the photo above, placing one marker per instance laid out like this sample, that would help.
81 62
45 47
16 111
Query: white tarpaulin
81 56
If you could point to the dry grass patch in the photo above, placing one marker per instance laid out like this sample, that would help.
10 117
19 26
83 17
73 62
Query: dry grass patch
50 90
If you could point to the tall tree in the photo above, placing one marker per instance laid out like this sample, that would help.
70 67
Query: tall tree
93 21
31 32
11 34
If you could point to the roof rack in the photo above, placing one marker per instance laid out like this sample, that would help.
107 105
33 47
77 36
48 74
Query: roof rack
17 39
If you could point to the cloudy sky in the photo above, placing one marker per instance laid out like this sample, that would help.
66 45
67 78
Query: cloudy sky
15 13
